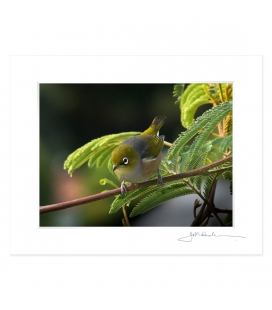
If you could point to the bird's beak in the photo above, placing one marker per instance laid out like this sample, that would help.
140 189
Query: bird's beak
115 167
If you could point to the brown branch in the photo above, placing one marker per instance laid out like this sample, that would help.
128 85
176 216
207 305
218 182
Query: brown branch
197 204
205 170
206 210
211 203
167 143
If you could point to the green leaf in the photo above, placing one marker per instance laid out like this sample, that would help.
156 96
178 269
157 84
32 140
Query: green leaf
193 97
196 95
226 144
198 181
104 156
199 158
227 175
110 166
208 184
122 200
222 111
214 153
107 181
178 91
199 161
213 91
188 112
96 151
188 163
159 196
203 126
101 152
215 142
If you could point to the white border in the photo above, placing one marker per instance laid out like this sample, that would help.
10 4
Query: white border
26 71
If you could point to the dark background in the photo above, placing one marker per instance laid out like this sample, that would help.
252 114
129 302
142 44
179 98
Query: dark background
71 115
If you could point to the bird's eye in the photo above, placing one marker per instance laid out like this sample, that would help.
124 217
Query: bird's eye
125 161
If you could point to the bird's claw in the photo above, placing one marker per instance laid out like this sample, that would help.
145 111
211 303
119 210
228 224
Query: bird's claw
160 181
123 188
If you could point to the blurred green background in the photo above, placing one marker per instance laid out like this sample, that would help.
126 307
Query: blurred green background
71 115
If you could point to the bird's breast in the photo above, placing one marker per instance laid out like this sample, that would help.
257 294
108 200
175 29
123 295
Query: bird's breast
141 173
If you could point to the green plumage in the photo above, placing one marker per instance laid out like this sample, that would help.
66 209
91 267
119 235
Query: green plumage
137 158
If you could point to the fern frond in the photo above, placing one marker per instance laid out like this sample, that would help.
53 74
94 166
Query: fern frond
193 97
105 156
215 93
228 126
98 153
94 149
197 95
178 91
211 178
226 144
122 200
222 110
182 161
158 197
227 175
188 114
211 93
199 161
208 184
198 182
202 126
215 154
110 166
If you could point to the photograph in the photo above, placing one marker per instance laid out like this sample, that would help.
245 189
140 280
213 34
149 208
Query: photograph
135 154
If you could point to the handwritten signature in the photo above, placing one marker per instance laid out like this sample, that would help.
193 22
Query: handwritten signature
203 234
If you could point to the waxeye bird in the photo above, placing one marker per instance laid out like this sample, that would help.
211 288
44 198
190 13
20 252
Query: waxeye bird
137 158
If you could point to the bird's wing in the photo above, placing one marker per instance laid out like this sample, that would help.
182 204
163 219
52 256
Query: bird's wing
152 149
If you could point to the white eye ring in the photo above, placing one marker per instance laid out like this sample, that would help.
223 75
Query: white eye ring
125 161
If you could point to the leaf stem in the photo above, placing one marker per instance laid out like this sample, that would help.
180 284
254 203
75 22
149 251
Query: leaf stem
167 143
215 135
220 92
125 215
220 130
